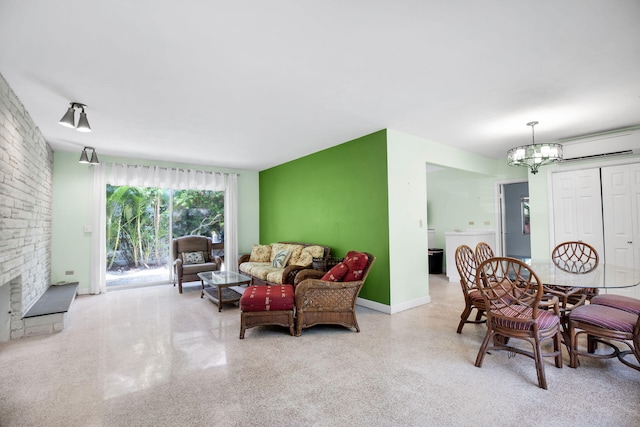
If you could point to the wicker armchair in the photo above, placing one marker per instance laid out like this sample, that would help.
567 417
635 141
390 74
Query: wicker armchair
466 264
184 272
326 302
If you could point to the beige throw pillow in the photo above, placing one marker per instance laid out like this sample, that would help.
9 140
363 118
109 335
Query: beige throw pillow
308 254
260 253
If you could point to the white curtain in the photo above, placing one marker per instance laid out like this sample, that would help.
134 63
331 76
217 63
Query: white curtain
231 223
98 283
160 177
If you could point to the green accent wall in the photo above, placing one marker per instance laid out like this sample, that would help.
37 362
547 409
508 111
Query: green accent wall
336 197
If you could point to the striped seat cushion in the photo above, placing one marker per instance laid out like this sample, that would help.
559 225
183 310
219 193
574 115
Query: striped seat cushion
629 304
604 317
477 298
546 319
267 298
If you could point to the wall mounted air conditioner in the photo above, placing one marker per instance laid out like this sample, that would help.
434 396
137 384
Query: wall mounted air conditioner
616 143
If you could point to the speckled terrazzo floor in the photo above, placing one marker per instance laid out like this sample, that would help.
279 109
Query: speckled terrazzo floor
152 357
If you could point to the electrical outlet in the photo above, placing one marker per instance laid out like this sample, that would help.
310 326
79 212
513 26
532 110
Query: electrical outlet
68 273
487 223
471 222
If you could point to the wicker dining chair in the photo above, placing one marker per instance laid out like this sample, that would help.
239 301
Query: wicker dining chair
621 302
512 293
574 257
473 299
483 252
602 323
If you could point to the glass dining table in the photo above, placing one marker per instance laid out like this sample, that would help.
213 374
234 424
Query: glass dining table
604 276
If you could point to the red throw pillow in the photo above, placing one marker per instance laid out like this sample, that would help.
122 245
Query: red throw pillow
356 263
336 273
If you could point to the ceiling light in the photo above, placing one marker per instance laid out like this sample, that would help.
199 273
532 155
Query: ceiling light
84 157
534 155
83 123
94 158
68 119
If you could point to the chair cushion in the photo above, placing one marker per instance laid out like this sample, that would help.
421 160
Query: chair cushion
259 269
621 302
276 276
198 268
546 319
267 298
337 273
476 298
604 317
356 263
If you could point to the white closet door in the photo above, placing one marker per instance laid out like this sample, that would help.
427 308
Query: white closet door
577 207
616 207
634 171
621 207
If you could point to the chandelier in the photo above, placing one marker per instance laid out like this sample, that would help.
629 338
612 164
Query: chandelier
535 155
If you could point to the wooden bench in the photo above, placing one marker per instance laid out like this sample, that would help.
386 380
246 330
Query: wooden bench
49 313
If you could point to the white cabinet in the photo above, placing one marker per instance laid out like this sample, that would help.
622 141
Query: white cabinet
471 238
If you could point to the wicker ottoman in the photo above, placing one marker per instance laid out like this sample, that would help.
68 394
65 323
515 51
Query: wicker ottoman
267 305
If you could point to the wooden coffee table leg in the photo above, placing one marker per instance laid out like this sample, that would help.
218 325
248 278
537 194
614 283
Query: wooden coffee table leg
202 291
219 298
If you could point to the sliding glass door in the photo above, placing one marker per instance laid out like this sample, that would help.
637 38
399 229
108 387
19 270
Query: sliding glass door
141 222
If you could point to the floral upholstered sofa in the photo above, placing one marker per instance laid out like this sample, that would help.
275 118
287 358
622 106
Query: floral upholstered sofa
278 263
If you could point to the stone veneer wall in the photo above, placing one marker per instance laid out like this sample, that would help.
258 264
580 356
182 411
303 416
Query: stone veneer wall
26 198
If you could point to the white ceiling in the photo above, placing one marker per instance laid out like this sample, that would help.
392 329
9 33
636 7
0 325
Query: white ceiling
252 84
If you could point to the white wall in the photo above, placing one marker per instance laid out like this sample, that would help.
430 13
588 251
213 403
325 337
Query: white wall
407 186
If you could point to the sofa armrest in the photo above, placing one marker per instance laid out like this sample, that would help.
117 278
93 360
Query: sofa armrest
243 258
290 273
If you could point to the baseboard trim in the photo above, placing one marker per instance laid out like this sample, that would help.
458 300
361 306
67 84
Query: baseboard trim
387 309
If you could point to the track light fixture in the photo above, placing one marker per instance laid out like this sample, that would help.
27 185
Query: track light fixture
84 157
69 118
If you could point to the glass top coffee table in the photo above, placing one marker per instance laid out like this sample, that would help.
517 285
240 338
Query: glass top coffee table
216 286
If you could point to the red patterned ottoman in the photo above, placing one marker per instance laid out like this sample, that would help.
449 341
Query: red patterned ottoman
267 305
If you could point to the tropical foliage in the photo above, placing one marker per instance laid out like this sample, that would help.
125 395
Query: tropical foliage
138 222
